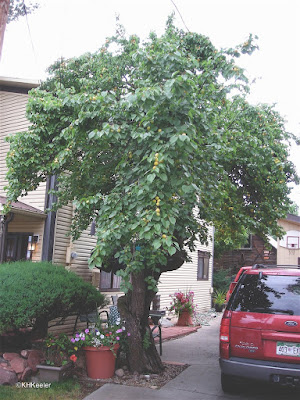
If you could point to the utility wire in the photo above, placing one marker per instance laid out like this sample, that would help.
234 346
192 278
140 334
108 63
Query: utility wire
29 32
173 2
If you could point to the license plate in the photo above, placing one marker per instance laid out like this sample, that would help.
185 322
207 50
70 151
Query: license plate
288 349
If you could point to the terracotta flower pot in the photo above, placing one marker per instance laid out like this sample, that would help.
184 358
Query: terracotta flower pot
100 361
184 319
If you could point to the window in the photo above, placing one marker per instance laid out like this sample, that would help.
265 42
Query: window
292 242
109 281
270 294
248 244
203 265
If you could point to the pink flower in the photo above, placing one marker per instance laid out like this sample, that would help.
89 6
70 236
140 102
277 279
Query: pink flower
128 334
117 338
87 331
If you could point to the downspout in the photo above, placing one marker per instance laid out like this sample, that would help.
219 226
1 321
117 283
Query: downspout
49 227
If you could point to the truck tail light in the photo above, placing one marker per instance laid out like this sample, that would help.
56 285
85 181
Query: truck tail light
225 334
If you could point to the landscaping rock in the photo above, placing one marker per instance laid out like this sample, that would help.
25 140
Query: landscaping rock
34 358
7 377
10 356
24 353
26 374
119 372
18 364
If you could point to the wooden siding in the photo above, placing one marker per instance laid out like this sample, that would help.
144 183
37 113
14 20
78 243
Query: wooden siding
288 256
13 119
61 240
185 279
64 246
83 248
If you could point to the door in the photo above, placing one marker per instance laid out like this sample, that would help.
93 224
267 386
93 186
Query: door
17 247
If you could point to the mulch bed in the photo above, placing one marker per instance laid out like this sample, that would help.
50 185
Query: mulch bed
152 381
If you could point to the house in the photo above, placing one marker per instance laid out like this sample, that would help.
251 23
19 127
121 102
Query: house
255 251
28 232
285 251
288 248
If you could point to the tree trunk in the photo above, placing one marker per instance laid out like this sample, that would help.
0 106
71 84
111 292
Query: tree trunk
4 7
134 308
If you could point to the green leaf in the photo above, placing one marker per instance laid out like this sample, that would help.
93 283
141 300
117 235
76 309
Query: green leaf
151 177
172 220
163 177
156 244
171 251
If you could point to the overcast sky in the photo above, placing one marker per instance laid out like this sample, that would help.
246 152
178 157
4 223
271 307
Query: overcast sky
67 28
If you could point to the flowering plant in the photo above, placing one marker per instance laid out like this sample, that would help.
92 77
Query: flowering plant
109 335
58 350
182 302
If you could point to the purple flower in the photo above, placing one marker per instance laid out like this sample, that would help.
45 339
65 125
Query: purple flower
77 339
119 331
87 331
82 338
73 340
128 334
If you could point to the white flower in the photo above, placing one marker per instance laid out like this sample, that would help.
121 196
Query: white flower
102 337
97 342
123 328
97 333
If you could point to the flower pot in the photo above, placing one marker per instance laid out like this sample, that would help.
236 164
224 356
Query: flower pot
100 361
49 373
184 319
219 307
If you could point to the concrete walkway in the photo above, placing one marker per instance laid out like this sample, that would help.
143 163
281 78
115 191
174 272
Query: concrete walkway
200 381
187 350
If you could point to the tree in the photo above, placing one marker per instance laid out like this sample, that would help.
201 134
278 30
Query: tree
154 141
11 10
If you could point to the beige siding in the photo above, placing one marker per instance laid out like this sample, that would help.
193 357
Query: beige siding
287 256
13 119
33 225
185 279
61 240
83 248
63 245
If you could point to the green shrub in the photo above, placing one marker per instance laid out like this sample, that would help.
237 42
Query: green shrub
31 294
222 279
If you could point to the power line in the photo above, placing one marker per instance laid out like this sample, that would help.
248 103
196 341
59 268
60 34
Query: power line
180 15
29 32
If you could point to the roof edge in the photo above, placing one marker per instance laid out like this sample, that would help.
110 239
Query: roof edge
19 82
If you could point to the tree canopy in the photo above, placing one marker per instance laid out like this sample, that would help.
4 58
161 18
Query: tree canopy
17 8
155 140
